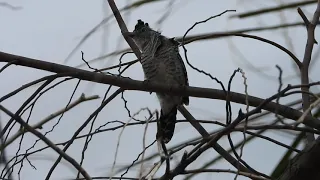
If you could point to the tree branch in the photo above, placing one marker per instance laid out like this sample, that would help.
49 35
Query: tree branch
304 70
129 84
274 9
39 125
306 165
47 141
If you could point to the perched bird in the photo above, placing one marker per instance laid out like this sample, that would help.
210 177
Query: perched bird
161 62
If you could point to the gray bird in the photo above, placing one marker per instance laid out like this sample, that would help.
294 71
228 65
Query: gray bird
161 62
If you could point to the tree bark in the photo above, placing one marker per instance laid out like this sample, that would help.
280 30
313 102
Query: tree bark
305 166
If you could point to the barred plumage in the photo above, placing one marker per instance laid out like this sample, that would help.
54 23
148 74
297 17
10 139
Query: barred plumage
162 62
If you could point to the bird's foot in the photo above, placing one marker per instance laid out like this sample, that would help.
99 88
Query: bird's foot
184 87
172 87
146 82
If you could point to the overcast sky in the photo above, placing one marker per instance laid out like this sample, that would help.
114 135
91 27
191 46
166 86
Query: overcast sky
49 30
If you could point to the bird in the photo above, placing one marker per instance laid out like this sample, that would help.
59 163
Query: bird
162 63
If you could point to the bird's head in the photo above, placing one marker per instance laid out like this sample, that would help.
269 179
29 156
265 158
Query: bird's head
143 34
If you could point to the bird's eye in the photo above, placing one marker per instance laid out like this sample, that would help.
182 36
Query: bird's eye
143 30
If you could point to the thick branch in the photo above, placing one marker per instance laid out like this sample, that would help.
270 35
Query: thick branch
129 84
305 165
215 145
123 28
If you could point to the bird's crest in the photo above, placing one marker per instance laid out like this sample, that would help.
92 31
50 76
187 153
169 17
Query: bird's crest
140 24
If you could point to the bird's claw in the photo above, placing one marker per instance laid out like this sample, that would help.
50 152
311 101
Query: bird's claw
146 82
184 87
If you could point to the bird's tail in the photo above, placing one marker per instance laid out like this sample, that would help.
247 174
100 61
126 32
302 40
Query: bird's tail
167 124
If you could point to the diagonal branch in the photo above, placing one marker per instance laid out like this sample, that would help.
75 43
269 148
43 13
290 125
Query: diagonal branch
206 135
123 28
182 165
111 97
47 119
47 141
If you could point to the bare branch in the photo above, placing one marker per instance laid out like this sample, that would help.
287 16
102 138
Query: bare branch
130 84
39 125
274 9
304 70
249 175
47 141
294 58
123 28
82 127
204 36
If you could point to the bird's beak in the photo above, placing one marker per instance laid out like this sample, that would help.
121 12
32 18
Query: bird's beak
130 34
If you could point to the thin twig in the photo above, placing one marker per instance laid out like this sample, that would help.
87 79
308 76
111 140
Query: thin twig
199 37
274 9
144 140
47 141
82 127
119 138
39 125
294 58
